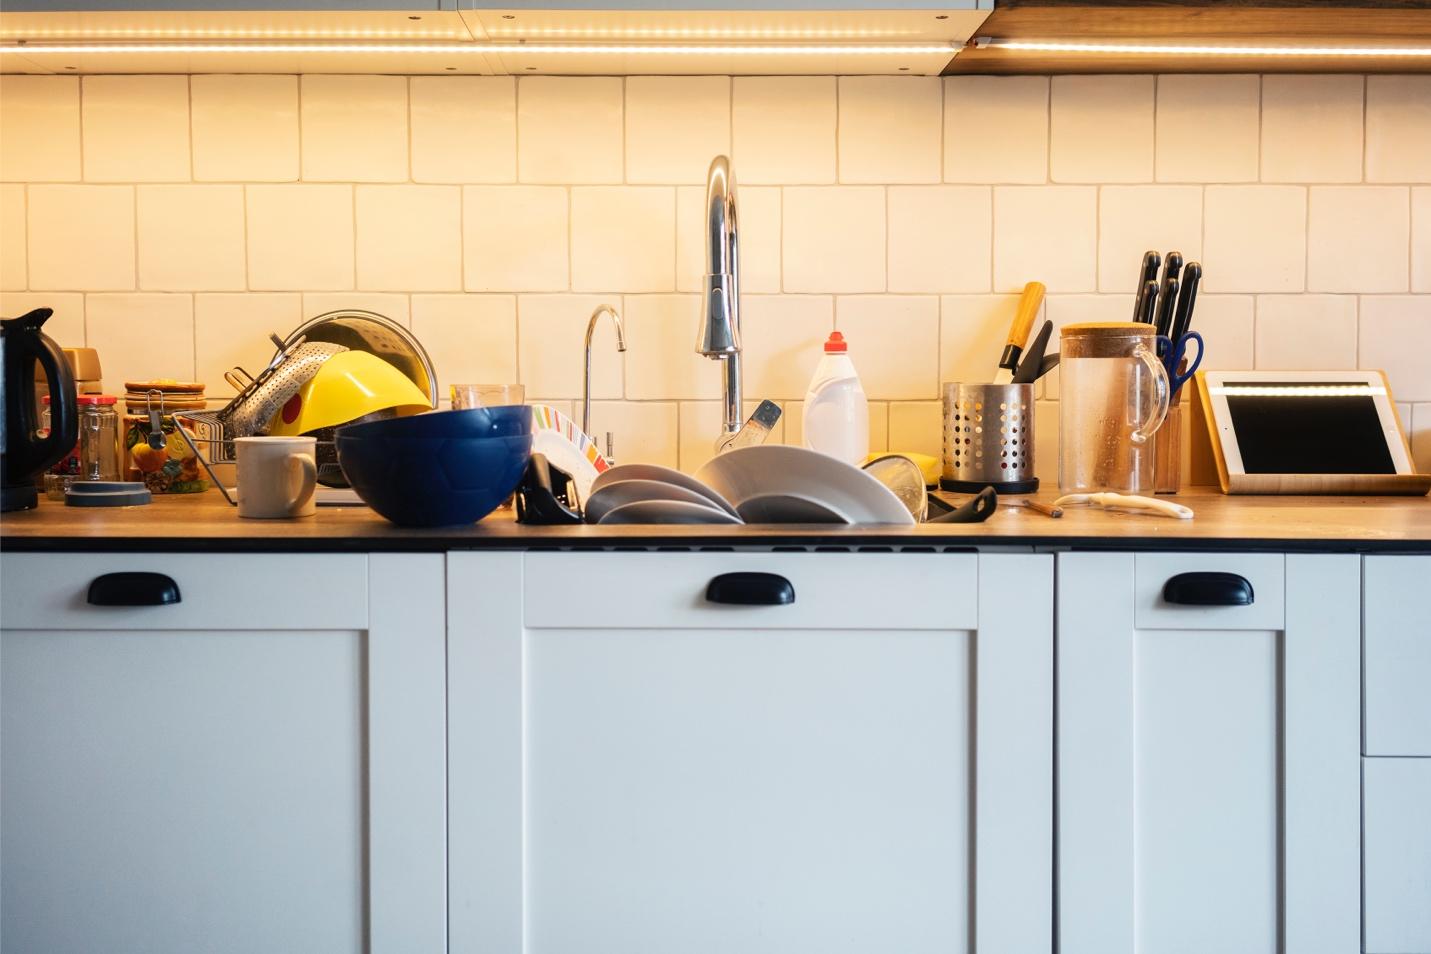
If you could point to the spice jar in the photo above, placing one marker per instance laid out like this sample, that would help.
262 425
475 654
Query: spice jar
153 453
96 456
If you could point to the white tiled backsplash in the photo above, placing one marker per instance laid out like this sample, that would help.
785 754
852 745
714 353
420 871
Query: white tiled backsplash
173 221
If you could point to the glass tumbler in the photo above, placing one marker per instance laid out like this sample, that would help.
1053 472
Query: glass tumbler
1113 395
465 396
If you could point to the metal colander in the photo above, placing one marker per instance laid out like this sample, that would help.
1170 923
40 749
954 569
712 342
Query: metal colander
989 438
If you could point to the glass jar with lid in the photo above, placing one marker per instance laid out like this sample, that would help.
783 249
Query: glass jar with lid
96 456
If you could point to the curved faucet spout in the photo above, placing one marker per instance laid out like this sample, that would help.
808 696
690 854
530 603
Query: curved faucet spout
586 380
720 304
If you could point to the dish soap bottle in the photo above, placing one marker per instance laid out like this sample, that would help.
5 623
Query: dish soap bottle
836 413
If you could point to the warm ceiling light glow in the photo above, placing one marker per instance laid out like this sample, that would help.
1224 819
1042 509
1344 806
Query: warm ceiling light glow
541 49
1203 49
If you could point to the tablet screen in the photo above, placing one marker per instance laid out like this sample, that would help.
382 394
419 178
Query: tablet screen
1307 428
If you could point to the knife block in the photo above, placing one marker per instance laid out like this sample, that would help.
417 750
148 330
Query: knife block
1168 453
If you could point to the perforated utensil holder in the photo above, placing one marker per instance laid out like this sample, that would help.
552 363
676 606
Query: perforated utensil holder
989 438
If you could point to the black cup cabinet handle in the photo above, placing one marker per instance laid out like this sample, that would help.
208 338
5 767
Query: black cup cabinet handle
1206 588
750 589
134 589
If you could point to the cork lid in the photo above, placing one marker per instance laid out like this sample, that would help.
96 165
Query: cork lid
1105 329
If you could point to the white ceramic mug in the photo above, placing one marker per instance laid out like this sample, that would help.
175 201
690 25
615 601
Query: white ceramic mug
276 476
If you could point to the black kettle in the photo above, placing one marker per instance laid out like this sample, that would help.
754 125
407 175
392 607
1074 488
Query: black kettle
23 452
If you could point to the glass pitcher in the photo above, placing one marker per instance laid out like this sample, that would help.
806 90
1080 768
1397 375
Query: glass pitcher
1113 395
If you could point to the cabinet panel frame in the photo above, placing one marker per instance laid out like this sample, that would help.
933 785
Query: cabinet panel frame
1012 831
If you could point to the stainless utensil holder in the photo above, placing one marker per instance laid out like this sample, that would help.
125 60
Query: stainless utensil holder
989 438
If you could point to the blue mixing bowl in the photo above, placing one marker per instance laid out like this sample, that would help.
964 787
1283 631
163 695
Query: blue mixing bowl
507 421
432 481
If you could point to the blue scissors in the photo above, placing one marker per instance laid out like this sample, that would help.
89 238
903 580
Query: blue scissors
1173 353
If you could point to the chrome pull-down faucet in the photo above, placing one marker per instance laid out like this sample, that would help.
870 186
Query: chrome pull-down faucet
720 302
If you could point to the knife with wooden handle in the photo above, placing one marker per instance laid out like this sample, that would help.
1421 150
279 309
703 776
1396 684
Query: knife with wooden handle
1024 317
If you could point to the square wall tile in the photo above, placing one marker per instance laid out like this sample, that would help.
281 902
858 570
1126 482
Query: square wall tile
972 331
940 238
1395 337
623 237
472 338
1357 238
14 262
894 343
661 359
81 237
1228 329
1014 106
66 325
464 128
890 128
784 339
141 336
917 428
355 128
783 129
551 331
231 330
645 433
1398 128
300 237
396 307
1207 128
409 237
515 238
759 238
1046 234
1306 332
701 423
1254 238
569 129
136 128
191 238
39 128
1311 128
1100 129
1134 219
675 126
1421 239
833 239
245 128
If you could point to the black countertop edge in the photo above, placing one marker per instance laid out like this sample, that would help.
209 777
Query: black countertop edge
775 543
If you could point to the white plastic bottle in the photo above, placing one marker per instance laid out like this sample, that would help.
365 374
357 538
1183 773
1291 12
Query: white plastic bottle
836 413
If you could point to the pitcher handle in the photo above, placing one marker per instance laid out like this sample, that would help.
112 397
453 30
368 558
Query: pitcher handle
1160 389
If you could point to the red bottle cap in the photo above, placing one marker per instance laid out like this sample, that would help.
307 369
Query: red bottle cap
836 344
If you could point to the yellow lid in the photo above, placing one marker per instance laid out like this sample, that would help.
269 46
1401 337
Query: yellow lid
349 385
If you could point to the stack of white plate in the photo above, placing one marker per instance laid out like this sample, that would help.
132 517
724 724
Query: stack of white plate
769 483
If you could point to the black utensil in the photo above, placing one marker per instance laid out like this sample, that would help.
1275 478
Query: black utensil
1148 300
1029 368
1148 273
1187 299
1050 361
1172 266
1167 300
977 510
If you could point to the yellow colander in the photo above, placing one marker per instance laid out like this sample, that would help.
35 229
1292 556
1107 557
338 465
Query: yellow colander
350 385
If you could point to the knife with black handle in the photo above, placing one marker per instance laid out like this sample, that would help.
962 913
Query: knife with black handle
1182 316
1147 301
1167 301
1149 272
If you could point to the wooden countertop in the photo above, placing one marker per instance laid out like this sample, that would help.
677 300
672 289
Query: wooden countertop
204 522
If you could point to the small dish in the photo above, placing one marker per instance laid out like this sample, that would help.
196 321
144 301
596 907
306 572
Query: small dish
788 508
667 512
607 497
666 474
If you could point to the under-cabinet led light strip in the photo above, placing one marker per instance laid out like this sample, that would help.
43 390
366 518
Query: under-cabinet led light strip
1298 390
534 49
1195 49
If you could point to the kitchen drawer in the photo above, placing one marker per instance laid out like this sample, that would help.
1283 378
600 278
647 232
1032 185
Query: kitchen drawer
49 591
832 591
1396 864
1397 655
1264 571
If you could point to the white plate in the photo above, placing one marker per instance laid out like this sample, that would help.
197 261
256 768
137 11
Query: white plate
606 497
779 469
667 511
566 457
788 508
666 474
